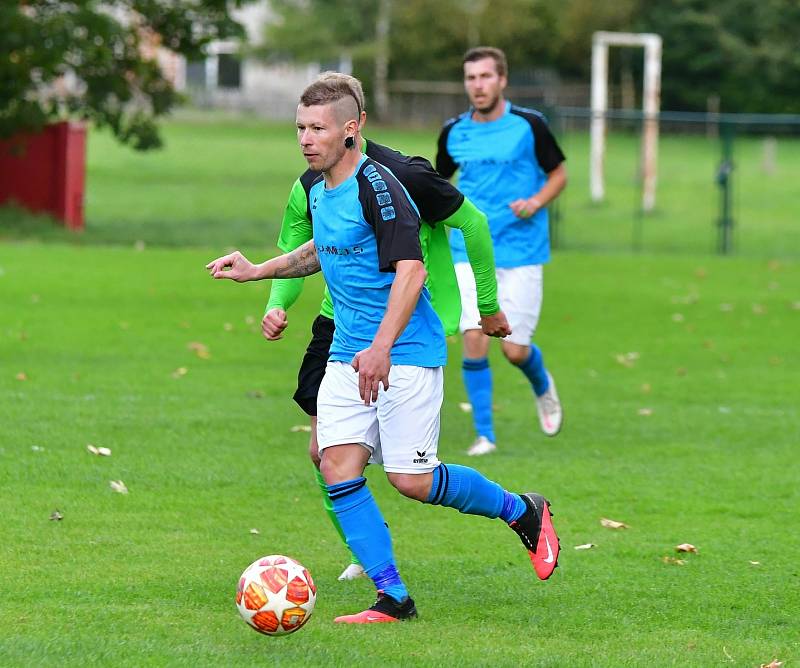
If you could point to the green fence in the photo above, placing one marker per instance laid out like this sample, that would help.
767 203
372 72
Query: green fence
727 183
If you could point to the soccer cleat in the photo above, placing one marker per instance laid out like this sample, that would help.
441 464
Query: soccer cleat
481 446
385 609
535 529
549 408
352 572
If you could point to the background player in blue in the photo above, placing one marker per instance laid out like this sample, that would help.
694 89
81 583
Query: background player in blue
382 391
511 167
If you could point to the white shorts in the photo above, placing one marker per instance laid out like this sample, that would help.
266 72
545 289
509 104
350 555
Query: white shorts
519 291
401 429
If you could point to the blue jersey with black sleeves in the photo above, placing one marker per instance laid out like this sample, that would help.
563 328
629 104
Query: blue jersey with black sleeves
361 228
501 161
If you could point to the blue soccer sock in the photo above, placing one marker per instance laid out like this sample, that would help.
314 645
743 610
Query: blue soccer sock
367 534
478 383
534 371
469 492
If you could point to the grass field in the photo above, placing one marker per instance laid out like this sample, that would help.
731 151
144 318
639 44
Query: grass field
225 183
148 578
678 374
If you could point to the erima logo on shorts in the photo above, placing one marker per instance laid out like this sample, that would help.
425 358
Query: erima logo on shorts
422 459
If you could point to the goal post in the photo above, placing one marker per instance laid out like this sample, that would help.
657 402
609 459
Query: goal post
651 101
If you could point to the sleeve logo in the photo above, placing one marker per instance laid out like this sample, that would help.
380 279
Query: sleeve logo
387 213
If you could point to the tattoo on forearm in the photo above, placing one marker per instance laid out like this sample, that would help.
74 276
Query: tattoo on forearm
303 261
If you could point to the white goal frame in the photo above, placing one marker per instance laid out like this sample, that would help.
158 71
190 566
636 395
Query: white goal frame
651 102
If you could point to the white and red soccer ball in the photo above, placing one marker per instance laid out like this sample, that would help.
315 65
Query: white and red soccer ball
276 595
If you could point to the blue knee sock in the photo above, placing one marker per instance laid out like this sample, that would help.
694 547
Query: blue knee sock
367 534
534 371
478 382
468 491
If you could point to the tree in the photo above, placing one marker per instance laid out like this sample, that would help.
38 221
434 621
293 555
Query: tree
92 60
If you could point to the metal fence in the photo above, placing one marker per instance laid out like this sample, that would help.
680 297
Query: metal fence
726 183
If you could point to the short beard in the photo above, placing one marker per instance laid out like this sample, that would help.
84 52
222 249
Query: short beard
490 107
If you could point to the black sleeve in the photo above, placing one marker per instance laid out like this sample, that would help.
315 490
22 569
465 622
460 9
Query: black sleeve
434 195
391 214
444 161
548 152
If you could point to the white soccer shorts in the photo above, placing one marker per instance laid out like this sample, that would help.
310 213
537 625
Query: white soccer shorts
401 429
519 291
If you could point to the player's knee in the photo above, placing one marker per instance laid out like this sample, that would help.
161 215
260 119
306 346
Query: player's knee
413 486
516 354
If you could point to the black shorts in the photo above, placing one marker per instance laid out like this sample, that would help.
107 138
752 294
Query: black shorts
314 362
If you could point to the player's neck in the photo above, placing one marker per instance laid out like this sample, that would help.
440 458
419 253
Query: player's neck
342 170
490 114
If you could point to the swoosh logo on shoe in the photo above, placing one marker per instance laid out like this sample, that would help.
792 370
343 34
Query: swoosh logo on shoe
370 618
549 559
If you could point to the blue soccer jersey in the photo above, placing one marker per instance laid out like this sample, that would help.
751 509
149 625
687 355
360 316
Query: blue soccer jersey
361 228
499 162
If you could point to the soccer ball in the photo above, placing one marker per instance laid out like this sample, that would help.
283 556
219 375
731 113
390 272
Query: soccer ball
276 595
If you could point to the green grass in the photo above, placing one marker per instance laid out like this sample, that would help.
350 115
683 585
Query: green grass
148 578
224 183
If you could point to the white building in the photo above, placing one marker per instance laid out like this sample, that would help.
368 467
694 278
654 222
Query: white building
225 80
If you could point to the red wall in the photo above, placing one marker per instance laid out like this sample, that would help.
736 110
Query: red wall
46 172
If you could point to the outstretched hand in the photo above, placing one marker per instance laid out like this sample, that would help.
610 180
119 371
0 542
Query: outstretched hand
373 369
495 325
234 266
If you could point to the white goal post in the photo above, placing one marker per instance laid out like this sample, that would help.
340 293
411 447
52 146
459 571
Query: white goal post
651 103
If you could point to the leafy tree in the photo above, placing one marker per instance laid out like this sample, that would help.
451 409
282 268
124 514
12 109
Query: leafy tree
102 47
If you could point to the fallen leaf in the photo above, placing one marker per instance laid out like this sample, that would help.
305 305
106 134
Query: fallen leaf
118 486
255 531
686 547
56 515
627 359
754 563
646 388
612 524
772 664
674 561
199 349
228 327
37 448
255 394
301 427
21 376
681 371
585 546
759 309
92 449
465 406
677 317
180 371
645 411
774 265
